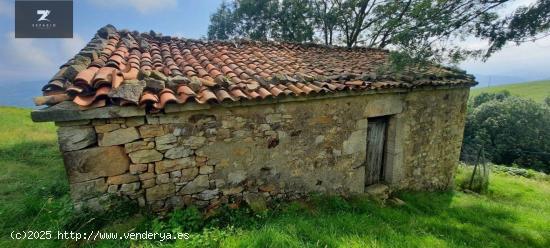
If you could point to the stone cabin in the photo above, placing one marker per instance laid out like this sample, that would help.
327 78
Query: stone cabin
169 122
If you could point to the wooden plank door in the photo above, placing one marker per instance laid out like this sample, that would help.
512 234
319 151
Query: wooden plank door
376 140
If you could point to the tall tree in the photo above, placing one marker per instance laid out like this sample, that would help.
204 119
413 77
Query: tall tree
325 14
295 22
289 20
222 23
418 30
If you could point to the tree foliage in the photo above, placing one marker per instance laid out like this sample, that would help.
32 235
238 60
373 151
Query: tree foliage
527 23
511 130
418 29
289 20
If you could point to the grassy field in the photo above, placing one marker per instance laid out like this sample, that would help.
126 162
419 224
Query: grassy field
514 213
536 90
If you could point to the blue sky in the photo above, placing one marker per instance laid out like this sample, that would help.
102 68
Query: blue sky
38 59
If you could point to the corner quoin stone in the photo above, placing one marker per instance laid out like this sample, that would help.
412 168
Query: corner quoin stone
92 163
75 137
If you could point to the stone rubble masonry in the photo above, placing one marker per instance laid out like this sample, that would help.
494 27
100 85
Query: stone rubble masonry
263 152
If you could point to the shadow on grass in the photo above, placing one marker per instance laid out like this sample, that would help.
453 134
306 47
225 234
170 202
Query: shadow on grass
34 154
428 219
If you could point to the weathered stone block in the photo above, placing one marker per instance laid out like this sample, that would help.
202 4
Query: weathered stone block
168 165
147 131
148 183
130 187
356 143
273 118
106 127
145 156
233 190
138 145
135 121
200 183
146 176
175 173
160 192
236 177
362 124
166 139
163 178
112 189
75 137
206 169
178 152
118 137
208 194
88 189
91 163
256 202
124 178
138 168
189 174
195 141
129 90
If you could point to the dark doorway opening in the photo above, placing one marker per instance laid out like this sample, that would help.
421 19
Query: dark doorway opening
377 130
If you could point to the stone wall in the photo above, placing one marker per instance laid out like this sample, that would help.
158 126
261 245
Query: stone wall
281 150
432 137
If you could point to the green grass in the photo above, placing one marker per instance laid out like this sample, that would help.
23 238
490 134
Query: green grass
536 90
514 213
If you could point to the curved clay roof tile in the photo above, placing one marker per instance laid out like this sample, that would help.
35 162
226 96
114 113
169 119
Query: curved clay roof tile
117 78
148 97
205 96
88 100
297 91
85 77
238 94
166 96
264 93
131 74
222 95
275 91
104 75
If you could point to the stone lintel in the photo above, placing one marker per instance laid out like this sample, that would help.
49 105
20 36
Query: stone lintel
69 111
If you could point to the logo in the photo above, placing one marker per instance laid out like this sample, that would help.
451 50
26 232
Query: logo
43 14
43 19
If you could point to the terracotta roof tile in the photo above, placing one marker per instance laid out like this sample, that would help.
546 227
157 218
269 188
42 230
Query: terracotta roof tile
219 71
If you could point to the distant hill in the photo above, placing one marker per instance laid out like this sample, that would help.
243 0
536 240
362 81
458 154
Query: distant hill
486 80
20 94
536 90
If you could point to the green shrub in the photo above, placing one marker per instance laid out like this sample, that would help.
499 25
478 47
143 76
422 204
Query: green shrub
510 130
187 220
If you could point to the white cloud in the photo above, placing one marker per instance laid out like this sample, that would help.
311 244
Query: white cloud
142 6
72 46
529 60
27 52
30 59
